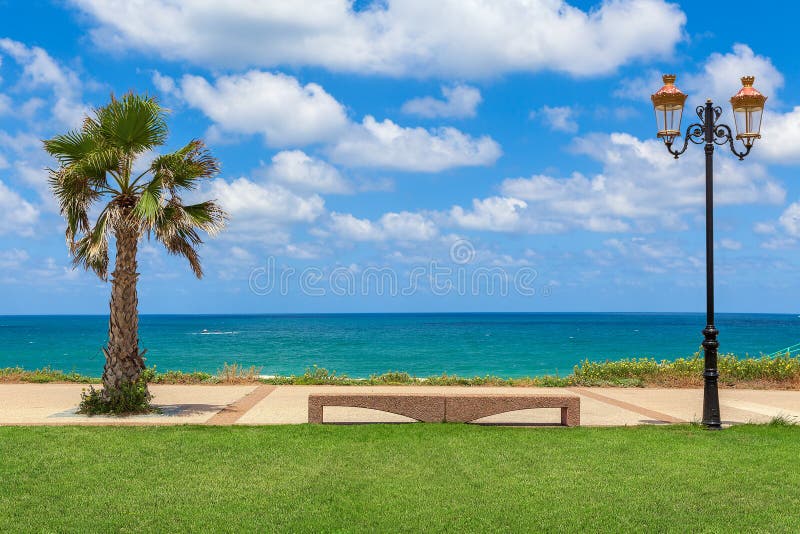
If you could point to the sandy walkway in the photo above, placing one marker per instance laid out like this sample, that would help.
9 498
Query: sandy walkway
54 404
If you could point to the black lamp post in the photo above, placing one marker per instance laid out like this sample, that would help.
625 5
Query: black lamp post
748 105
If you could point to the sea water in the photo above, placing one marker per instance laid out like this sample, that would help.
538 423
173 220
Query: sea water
501 344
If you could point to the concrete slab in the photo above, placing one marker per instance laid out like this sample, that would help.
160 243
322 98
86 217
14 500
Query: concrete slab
57 404
54 404
687 404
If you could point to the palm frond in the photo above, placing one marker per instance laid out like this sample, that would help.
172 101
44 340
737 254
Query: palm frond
149 206
134 123
182 246
187 167
207 216
91 250
70 147
95 164
178 229
75 194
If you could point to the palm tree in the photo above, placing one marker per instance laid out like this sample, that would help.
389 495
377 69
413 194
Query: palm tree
95 172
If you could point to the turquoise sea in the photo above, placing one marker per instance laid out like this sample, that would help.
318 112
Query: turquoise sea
508 345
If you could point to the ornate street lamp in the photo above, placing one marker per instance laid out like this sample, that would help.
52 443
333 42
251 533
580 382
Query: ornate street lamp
748 105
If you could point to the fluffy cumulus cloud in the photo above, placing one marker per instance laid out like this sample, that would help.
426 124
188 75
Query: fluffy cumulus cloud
263 211
276 106
298 171
639 188
719 78
721 75
286 112
394 37
17 215
388 145
41 72
402 226
780 136
459 101
494 213
780 142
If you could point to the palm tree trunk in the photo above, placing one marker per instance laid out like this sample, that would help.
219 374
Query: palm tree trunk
124 362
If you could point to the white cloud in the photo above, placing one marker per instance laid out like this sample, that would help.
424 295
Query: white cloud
502 214
640 187
641 87
348 226
40 70
165 84
778 243
780 136
764 228
651 256
559 118
720 78
790 219
299 171
410 37
13 258
406 226
245 199
262 211
302 251
17 215
390 146
782 233
23 154
402 226
276 106
460 101
287 113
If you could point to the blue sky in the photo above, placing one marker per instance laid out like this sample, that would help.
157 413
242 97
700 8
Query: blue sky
507 146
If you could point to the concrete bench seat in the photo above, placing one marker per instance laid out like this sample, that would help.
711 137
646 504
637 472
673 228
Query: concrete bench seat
449 407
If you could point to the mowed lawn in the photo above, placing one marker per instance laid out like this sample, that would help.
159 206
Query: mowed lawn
429 477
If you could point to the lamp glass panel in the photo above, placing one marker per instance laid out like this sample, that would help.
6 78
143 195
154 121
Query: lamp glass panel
668 120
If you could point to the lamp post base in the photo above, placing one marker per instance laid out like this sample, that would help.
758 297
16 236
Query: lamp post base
711 417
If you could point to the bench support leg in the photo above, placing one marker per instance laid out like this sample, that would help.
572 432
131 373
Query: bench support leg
315 412
570 416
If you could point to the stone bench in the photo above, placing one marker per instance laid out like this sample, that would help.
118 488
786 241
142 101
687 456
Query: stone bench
447 407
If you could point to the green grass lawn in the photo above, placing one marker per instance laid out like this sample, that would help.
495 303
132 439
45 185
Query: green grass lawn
399 477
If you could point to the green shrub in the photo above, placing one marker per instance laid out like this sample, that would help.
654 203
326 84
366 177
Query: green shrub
152 376
763 371
131 398
42 376
392 377
732 369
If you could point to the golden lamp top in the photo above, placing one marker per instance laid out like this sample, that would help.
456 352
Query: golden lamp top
669 95
748 96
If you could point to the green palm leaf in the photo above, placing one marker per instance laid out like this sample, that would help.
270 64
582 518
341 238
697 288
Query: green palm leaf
133 123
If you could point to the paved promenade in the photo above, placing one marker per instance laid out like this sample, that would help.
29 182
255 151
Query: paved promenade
55 404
